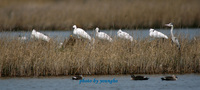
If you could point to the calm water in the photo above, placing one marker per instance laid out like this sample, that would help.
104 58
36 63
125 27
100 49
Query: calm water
141 33
184 82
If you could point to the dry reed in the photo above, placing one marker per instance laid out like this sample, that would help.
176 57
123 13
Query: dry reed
38 58
88 14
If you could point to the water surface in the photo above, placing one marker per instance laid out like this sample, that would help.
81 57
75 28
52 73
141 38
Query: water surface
143 33
184 82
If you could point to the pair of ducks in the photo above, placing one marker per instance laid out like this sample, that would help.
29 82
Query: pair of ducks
167 78
133 77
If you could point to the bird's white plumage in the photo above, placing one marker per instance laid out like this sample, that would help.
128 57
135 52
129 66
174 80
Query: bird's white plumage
156 34
124 35
81 33
74 77
39 35
102 35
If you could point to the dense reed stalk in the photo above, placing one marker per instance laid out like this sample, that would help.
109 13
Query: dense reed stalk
88 14
38 58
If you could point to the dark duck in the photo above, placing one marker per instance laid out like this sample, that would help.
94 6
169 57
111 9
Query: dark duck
133 77
77 77
170 78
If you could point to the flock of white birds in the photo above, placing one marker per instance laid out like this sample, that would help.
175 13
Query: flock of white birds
80 33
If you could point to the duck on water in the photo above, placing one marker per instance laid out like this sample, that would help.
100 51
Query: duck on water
170 78
133 77
77 77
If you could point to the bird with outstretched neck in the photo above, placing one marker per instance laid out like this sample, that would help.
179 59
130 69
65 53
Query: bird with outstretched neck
174 39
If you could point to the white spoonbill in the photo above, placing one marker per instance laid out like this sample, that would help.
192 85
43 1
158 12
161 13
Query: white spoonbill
81 33
39 35
102 35
156 34
174 39
124 35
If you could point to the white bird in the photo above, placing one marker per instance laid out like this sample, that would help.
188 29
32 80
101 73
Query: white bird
102 35
81 33
156 34
174 39
124 35
23 38
39 35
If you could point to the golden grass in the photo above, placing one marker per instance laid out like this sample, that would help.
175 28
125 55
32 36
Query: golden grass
106 14
38 58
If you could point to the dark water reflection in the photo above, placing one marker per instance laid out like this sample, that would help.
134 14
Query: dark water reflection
184 82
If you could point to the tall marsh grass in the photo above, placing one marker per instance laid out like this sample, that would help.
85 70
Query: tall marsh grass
88 14
145 56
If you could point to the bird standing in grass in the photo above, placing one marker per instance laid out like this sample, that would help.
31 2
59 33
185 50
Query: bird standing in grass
124 35
81 33
39 35
174 39
102 35
156 34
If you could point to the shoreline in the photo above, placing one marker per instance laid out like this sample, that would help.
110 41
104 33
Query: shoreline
86 75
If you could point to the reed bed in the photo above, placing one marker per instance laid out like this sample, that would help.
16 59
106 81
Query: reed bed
145 56
88 14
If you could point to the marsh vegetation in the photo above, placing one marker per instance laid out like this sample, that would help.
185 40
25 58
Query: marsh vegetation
89 14
145 56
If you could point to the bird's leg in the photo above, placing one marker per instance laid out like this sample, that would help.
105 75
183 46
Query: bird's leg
163 39
132 44
161 42
171 42
78 36
179 47
88 45
157 43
